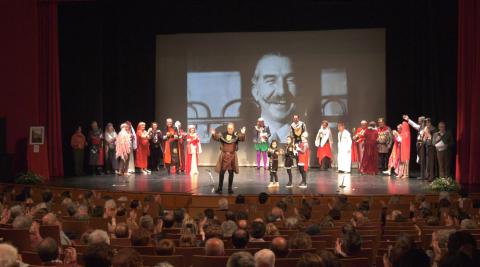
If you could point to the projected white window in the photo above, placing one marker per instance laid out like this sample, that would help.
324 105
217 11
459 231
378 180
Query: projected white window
334 93
213 99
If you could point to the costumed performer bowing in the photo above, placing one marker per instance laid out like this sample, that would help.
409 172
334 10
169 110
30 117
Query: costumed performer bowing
344 157
262 134
227 160
323 141
303 157
194 147
273 153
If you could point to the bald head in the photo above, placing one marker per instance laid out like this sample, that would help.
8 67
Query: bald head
264 258
214 247
242 224
279 247
49 219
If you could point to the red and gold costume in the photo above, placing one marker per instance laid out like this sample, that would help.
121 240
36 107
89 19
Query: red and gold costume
369 164
143 149
171 147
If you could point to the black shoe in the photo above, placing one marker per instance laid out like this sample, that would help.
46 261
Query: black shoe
230 191
218 191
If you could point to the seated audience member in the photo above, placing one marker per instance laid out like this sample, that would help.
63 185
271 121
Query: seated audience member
451 218
403 244
293 223
141 237
300 241
241 259
412 258
279 246
257 231
189 226
468 224
439 243
230 216
277 213
168 221
264 258
228 227
240 199
146 222
165 247
48 252
432 221
26 222
349 245
313 229
262 198
240 238
9 256
164 264
213 230
85 237
98 236
122 230
359 219
322 259
241 215
348 228
214 247
82 213
223 204
187 240
271 229
178 217
51 219
242 224
210 215
97 212
98 255
127 257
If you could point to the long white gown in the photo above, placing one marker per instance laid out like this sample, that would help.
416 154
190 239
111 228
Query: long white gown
344 151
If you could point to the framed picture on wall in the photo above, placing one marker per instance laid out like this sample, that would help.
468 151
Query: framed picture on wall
37 135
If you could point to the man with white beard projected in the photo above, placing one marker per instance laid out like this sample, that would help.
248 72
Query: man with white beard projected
274 90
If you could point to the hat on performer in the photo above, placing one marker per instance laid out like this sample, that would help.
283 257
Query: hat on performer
260 119
191 126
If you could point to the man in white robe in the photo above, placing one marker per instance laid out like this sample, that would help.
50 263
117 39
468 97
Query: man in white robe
344 149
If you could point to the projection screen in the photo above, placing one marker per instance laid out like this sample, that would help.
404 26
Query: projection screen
211 79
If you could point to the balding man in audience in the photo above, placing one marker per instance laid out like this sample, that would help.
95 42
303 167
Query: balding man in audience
48 251
279 247
242 224
122 230
98 236
240 238
51 219
241 259
214 247
264 258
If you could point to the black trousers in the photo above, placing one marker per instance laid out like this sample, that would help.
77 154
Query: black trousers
154 159
382 161
427 158
78 157
302 173
325 164
221 177
443 158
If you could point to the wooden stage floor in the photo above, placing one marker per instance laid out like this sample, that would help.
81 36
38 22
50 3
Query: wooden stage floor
250 181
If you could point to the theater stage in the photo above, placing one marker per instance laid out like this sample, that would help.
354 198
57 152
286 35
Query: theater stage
249 181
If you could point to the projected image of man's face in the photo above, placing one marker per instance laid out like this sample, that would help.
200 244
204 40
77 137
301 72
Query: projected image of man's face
274 87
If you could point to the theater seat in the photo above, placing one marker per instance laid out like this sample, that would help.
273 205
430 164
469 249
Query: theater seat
19 238
209 261
355 262
286 262
175 260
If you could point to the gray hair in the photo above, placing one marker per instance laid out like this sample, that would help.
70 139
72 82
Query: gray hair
291 222
22 222
146 222
15 211
110 204
264 257
241 259
223 203
98 236
163 264
228 227
8 255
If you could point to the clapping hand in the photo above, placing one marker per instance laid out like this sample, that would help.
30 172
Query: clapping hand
243 130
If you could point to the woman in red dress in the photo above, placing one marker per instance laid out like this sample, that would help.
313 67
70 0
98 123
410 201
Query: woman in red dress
143 148
193 149
323 141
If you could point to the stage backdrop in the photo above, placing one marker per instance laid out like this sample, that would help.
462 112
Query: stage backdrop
211 79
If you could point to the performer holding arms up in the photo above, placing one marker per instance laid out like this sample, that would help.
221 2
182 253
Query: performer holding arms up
170 157
290 154
194 147
344 149
323 142
227 160
262 133
273 153
303 157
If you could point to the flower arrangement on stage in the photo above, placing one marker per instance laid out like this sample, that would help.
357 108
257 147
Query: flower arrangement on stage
444 184
29 177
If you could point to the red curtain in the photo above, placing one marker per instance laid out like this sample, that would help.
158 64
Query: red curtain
468 93
49 84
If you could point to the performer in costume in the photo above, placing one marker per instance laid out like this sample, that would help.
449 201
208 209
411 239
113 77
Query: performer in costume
155 147
227 160
323 141
78 143
403 169
303 151
133 137
297 128
344 157
359 139
123 146
95 137
427 165
143 148
170 156
110 158
290 154
384 143
194 147
394 159
262 134
369 164
443 142
181 145
273 153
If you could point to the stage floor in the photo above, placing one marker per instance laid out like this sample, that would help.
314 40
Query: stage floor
250 181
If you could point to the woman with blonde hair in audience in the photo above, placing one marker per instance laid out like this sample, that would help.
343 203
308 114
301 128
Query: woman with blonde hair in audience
271 229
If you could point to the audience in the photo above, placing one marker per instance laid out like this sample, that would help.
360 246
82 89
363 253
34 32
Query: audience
279 247
127 257
9 256
165 247
48 251
214 247
98 236
300 241
98 255
257 231
122 231
264 258
240 238
187 240
241 259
